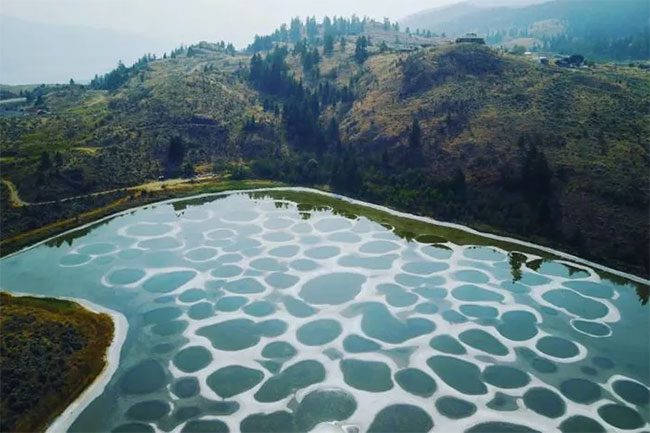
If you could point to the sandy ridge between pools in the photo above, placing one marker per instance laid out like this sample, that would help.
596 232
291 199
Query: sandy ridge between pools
429 220
64 420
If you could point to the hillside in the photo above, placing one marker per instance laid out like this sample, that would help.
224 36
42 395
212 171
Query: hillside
604 29
460 132
98 140
484 114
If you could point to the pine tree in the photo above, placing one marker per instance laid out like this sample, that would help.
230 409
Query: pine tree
327 26
458 184
415 136
176 150
536 174
361 49
283 33
311 28
333 135
45 162
187 170
328 44
295 30
345 173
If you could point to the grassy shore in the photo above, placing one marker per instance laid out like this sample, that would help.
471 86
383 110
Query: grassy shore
133 197
409 228
50 351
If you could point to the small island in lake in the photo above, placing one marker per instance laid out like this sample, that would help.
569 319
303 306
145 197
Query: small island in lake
50 352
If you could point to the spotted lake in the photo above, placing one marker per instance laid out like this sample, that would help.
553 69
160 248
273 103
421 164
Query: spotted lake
260 312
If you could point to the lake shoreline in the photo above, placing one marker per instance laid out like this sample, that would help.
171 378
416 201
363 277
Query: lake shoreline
140 198
64 420
424 219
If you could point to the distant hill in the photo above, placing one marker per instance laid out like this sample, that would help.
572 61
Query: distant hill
614 29
32 52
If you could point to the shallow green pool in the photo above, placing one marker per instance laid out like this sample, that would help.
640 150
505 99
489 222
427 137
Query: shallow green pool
255 314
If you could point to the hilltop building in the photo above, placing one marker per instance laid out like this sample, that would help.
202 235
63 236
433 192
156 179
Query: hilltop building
574 61
470 38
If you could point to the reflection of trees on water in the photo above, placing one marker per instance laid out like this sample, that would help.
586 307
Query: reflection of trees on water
181 205
644 293
517 260
69 238
572 270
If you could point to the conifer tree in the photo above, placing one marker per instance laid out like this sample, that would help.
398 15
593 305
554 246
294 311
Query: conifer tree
328 45
415 136
361 49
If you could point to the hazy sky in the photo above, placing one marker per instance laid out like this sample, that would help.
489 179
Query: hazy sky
188 21
55 40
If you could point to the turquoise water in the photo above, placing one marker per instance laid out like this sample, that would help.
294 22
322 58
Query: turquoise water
248 314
